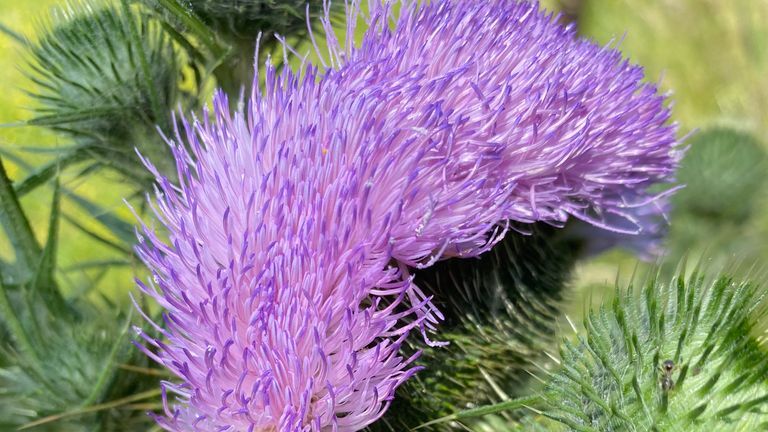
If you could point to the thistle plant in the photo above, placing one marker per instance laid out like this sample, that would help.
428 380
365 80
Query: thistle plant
386 161
108 77
60 357
668 356
379 236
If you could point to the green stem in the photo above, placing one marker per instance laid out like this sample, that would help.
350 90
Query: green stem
485 410
206 35
94 408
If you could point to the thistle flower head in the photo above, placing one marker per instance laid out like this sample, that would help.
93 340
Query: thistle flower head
287 277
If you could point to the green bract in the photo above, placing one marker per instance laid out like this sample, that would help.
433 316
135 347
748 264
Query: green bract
501 313
676 356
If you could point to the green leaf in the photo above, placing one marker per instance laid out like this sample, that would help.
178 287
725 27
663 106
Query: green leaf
16 226
117 226
43 281
46 172
94 408
20 162
119 247
18 37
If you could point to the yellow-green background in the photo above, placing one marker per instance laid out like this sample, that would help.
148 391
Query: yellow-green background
713 55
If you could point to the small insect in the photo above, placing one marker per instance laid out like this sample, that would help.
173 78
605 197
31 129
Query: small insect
667 383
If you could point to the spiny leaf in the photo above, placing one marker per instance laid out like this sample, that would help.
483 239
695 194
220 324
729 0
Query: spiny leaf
115 245
45 173
13 34
76 367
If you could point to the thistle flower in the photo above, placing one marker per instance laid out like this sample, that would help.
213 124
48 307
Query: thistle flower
287 277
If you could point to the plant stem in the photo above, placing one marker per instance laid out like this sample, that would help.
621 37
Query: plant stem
485 410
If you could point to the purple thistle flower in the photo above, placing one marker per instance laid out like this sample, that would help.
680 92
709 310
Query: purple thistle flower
286 278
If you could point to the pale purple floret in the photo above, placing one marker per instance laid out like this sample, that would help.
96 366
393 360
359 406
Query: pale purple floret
285 280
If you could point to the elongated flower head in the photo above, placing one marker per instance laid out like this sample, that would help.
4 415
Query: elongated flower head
286 279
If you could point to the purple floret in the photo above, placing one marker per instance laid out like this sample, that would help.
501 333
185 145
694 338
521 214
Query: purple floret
286 277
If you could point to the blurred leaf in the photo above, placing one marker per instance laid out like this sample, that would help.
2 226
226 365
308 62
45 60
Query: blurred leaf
4 29
723 172
117 226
